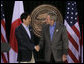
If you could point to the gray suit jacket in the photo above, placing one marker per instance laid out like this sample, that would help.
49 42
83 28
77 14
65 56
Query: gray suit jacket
59 44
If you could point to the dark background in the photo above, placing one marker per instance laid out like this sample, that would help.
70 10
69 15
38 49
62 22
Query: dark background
29 6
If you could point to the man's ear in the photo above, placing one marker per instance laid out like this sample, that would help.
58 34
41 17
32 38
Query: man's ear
23 20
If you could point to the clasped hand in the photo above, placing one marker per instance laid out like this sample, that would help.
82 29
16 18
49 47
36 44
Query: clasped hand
37 48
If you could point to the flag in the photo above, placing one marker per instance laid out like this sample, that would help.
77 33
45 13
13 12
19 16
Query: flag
82 46
4 56
73 30
16 21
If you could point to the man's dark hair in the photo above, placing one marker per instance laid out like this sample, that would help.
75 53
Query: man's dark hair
24 16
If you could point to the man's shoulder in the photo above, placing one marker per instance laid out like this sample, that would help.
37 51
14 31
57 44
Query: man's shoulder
61 25
18 28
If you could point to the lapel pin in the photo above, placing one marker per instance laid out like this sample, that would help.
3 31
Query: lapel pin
57 30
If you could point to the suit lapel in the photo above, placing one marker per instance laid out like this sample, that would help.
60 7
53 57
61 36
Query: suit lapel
31 31
24 31
48 32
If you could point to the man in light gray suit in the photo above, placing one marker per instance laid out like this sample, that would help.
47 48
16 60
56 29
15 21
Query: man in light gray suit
55 39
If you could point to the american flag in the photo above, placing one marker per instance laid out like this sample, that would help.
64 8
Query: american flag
73 30
4 57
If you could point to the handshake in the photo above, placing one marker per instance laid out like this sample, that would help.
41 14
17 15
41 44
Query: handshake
37 48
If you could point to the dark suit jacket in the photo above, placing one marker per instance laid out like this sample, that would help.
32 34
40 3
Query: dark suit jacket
25 44
59 44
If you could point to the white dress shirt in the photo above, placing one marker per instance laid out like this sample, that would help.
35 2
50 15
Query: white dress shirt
27 30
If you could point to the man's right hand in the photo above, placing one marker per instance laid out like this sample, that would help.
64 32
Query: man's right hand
64 57
37 48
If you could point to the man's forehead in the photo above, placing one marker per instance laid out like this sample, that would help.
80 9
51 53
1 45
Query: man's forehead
48 16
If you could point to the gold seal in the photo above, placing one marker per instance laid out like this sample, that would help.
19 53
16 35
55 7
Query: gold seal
39 15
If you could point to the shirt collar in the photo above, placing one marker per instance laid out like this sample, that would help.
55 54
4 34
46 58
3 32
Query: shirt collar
25 26
54 24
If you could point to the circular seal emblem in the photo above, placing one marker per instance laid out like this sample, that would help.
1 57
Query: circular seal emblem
39 15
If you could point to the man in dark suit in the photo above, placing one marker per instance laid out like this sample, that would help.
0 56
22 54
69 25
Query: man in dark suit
24 36
55 39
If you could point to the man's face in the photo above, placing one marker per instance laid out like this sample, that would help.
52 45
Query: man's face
48 19
28 20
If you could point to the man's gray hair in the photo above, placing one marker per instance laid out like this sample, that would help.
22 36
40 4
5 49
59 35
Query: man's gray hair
53 16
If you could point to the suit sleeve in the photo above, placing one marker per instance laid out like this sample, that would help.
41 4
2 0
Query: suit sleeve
65 40
20 41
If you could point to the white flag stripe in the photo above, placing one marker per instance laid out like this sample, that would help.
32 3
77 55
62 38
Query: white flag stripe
21 9
13 56
69 59
18 10
74 51
3 32
82 55
77 26
1 59
72 33
3 20
5 54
